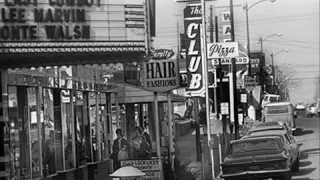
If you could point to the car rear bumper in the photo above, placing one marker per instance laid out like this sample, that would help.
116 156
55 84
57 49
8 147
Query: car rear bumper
256 174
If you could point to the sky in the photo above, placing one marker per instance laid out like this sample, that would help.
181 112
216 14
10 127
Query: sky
296 20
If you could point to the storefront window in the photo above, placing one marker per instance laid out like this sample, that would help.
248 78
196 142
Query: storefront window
86 121
54 94
109 123
34 132
103 125
50 132
78 102
67 126
93 126
15 134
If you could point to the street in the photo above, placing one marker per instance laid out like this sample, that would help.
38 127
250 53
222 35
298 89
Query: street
308 133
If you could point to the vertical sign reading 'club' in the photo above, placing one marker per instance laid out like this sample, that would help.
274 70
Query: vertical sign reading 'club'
192 24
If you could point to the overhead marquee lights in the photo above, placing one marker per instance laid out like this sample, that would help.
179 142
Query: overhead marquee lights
66 50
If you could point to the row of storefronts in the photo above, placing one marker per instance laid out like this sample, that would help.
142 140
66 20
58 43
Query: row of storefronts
65 130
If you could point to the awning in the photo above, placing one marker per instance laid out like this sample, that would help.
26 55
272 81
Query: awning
133 94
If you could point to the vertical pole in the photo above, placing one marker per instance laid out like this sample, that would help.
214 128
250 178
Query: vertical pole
248 40
234 77
273 74
205 81
211 40
156 121
196 112
170 118
117 109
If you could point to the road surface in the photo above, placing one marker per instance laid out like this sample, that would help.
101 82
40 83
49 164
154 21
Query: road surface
308 133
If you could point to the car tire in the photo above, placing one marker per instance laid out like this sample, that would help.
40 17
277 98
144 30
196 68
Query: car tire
296 165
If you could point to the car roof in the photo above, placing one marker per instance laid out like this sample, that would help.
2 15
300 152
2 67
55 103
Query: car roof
253 138
278 104
268 133
270 123
265 128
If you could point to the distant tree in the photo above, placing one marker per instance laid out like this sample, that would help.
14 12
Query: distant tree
286 81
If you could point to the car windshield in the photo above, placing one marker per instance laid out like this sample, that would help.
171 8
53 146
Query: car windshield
254 145
273 99
277 109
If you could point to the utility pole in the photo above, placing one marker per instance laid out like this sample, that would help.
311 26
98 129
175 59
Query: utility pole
248 39
211 41
234 77
205 82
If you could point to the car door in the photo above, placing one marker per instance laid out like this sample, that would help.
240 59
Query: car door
289 148
293 146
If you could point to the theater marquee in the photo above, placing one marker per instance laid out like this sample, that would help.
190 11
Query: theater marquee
71 20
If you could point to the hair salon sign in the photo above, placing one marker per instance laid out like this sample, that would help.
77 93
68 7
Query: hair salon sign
222 50
161 73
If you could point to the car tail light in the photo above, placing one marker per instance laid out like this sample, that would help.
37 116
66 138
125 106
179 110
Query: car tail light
275 165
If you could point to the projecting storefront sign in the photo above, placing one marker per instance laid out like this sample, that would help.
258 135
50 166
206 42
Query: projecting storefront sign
222 50
192 23
161 74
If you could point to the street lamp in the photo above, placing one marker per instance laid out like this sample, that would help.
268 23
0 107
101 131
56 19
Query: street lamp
272 55
247 22
263 39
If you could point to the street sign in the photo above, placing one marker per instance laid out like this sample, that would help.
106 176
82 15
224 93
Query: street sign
224 108
240 83
243 98
250 83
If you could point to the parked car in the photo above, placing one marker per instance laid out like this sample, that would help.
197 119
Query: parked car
267 126
257 157
280 112
312 110
289 142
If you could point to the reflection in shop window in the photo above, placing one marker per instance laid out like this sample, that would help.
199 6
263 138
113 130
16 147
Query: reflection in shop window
80 128
54 94
67 128
34 132
15 134
102 123
49 134
86 122
93 126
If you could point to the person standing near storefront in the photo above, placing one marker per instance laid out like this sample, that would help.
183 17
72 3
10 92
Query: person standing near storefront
50 157
141 148
189 104
147 137
203 118
119 149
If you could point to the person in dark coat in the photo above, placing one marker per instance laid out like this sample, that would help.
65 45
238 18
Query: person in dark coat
147 137
141 148
203 118
118 144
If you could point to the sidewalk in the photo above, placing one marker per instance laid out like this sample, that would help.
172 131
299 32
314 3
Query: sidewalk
186 147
